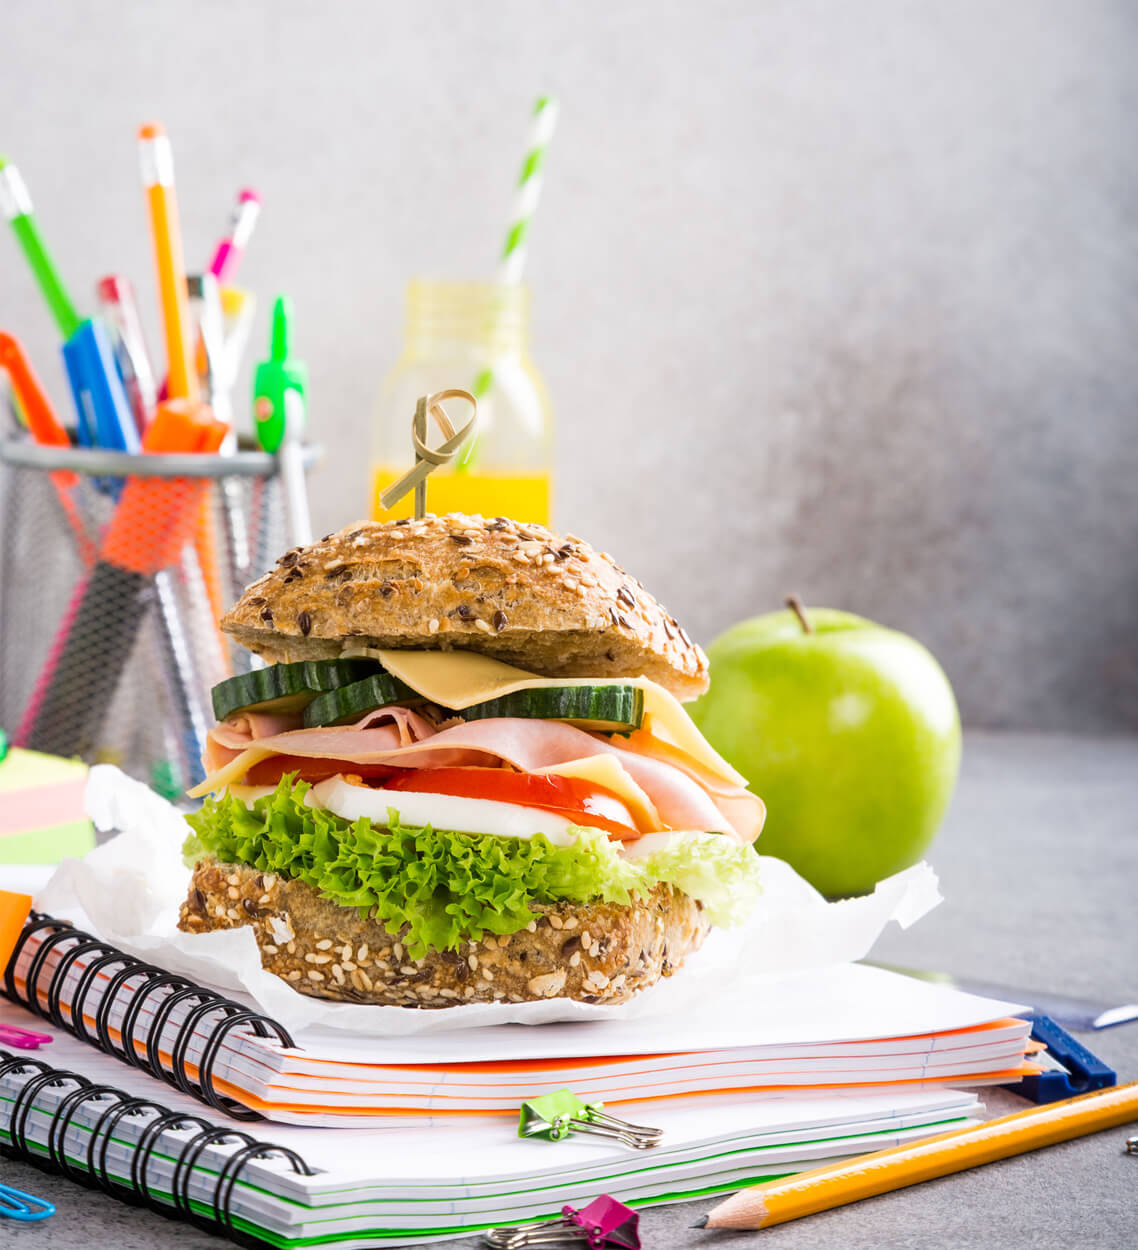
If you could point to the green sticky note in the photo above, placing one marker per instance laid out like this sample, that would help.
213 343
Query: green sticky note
48 846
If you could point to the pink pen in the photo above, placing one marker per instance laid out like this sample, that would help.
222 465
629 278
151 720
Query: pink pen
241 226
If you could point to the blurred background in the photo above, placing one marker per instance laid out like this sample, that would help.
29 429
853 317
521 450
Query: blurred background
840 299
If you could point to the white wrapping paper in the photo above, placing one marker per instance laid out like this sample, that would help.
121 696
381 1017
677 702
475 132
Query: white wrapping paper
129 890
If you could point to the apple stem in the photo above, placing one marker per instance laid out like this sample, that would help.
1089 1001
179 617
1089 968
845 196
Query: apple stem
795 605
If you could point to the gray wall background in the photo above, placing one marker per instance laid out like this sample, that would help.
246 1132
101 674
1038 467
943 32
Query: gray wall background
840 298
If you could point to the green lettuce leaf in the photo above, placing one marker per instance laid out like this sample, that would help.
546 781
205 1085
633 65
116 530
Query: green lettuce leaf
450 888
723 875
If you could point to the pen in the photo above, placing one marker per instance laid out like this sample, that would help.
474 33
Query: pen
16 204
102 411
116 300
881 1172
241 225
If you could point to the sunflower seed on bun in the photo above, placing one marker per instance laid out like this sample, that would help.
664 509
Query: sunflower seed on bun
517 592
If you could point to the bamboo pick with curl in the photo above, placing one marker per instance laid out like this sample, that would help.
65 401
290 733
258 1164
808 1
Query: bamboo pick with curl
427 458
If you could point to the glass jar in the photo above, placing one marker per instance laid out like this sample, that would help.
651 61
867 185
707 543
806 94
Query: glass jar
472 335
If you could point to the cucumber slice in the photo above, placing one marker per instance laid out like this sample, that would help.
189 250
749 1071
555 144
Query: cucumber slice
349 703
286 687
606 709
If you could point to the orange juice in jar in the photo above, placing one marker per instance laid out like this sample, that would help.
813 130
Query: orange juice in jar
465 334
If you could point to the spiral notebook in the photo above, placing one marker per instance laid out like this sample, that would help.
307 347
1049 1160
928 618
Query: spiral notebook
110 1126
849 1027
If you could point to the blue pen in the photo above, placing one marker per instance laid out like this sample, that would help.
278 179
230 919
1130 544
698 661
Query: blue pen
101 405
17 1205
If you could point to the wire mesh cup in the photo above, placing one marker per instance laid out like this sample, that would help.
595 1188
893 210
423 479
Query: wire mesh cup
114 570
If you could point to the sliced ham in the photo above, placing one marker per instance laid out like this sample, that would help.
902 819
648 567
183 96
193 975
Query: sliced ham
684 798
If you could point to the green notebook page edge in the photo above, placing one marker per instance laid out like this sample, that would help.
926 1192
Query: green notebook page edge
286 1243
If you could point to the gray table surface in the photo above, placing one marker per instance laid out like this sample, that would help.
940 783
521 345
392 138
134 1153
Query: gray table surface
1039 867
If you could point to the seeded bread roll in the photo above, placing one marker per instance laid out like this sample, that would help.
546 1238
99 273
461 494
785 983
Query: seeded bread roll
546 603
600 953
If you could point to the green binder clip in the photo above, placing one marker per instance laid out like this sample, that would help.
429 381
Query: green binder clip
554 1116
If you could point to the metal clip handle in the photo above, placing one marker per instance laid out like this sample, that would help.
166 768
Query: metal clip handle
555 1232
645 1135
603 1222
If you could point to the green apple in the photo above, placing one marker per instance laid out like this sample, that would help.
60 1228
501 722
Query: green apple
849 733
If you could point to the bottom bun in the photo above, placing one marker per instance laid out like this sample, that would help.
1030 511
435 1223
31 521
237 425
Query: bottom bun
595 953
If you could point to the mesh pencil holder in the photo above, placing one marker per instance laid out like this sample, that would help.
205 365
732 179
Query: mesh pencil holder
114 570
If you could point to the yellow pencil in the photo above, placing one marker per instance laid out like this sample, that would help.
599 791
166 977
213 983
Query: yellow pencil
158 179
776 1202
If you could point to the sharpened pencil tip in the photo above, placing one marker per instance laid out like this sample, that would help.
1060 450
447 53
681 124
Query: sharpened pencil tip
700 1223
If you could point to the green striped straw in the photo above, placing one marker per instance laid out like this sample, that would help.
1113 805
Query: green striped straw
513 260
528 192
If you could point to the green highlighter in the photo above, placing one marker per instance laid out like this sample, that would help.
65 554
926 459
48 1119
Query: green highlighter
275 378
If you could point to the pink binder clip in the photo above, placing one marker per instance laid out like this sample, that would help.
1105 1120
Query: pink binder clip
22 1039
603 1223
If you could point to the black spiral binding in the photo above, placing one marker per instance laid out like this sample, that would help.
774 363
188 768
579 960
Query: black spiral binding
213 1215
135 982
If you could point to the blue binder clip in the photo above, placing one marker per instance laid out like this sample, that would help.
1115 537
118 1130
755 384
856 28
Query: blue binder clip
17 1205
1074 1070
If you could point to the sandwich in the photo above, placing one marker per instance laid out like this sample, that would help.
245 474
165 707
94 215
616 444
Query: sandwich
464 774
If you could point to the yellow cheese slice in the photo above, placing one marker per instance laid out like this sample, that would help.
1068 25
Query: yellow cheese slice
460 679
609 773
227 774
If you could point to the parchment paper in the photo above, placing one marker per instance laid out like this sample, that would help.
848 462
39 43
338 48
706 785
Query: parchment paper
128 891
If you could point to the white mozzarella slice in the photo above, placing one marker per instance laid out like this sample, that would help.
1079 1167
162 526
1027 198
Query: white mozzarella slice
440 811
650 843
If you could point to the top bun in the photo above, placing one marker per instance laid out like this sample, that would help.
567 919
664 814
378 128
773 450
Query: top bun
543 602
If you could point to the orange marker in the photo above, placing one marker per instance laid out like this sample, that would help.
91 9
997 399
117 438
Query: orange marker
14 911
157 159
45 429
43 424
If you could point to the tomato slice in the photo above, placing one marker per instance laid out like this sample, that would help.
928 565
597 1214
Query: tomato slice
572 797
269 771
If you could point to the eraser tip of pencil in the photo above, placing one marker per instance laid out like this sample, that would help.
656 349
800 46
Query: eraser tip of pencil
151 130
248 195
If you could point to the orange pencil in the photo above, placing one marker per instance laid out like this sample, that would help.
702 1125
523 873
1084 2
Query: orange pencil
157 162
881 1172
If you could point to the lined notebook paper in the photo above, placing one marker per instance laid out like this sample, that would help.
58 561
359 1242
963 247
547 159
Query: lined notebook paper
847 1027
440 1176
